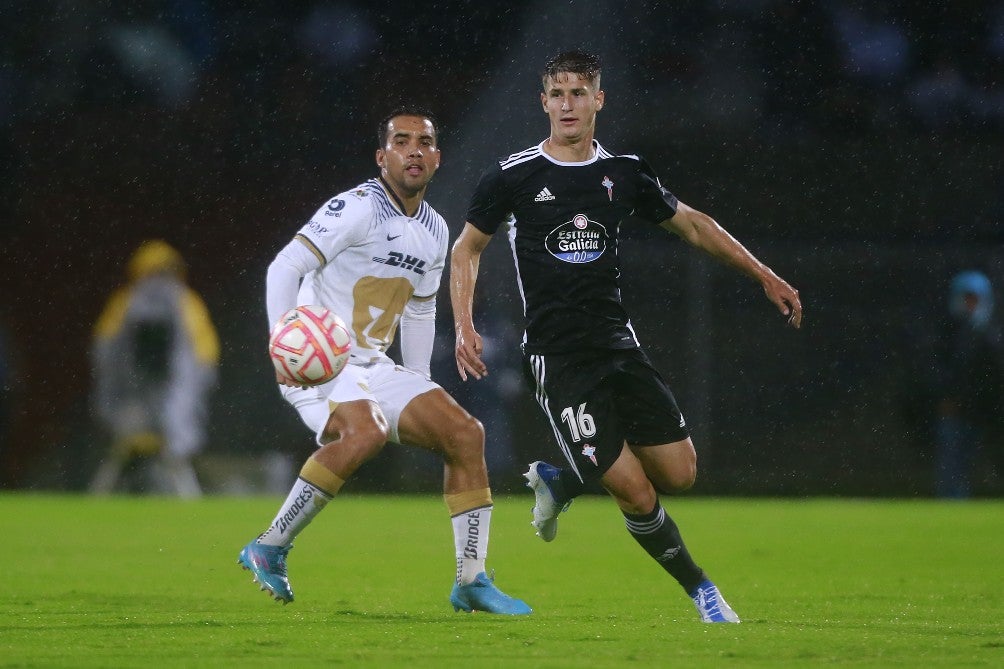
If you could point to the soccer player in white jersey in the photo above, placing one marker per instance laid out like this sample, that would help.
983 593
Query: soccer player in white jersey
375 256
614 417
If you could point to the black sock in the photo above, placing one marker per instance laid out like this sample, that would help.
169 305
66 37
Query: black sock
660 537
568 485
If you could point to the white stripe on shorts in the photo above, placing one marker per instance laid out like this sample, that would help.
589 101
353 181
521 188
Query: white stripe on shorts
538 366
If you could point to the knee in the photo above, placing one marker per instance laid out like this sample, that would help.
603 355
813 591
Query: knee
364 437
638 498
370 436
465 439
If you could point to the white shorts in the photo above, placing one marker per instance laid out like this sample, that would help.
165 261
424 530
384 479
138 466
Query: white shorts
391 386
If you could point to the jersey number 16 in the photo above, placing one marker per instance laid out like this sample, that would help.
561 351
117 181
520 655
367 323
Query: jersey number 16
580 423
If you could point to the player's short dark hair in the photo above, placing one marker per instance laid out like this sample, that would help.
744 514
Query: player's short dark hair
586 65
404 111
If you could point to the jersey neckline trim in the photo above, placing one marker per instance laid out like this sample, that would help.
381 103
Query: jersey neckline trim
598 152
396 202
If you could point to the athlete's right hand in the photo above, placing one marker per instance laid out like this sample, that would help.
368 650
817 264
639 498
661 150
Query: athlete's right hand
282 380
468 353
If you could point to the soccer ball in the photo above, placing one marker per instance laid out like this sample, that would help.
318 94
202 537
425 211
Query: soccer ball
309 345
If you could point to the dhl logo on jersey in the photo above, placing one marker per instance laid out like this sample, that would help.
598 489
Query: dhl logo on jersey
403 260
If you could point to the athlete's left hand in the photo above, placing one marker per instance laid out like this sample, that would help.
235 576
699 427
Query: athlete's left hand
784 297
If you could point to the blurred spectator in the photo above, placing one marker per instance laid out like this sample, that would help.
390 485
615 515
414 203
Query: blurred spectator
155 355
970 382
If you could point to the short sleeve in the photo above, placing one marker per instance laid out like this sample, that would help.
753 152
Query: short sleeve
490 206
340 223
655 203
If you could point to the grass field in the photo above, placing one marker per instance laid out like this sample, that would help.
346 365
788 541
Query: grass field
130 582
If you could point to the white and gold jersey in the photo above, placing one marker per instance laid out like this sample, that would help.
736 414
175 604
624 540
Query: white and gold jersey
374 258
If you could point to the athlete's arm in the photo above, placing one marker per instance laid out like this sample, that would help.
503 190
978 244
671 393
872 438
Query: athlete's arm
418 334
703 232
464 262
282 283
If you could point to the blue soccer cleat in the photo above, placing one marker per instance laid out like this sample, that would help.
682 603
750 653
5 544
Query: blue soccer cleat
542 478
482 595
711 605
267 565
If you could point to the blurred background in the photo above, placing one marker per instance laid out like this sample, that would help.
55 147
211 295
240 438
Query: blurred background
855 147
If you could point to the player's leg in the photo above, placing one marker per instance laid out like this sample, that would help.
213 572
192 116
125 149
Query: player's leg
592 404
351 429
433 420
660 458
672 468
565 389
629 485
356 432
654 530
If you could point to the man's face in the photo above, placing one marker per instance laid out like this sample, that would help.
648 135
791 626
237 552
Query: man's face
571 103
409 156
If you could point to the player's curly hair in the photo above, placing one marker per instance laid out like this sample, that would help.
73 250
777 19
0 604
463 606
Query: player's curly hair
384 127
582 63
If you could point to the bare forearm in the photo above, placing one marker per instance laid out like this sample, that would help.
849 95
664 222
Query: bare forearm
465 259
703 232
463 277
464 262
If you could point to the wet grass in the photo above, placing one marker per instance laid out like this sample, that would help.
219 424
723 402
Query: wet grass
129 582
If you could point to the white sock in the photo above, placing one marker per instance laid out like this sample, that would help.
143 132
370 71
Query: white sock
470 536
303 503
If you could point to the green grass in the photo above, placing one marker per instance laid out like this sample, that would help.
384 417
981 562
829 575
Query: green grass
129 582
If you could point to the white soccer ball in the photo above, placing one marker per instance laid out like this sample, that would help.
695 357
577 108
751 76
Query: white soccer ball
309 345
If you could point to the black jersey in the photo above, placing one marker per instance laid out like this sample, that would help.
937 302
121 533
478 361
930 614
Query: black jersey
564 221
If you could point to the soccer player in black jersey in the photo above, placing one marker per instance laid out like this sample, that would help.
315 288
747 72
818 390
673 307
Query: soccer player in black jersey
612 414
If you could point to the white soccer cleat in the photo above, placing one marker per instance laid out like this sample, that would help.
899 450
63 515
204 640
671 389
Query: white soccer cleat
541 478
711 605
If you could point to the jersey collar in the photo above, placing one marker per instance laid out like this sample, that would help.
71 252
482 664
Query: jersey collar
596 155
395 200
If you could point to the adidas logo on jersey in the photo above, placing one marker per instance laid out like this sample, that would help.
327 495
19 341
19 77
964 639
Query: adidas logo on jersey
543 196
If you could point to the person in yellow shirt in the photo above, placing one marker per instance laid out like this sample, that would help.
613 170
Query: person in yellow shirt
155 355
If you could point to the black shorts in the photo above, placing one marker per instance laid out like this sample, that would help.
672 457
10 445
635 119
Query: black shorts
596 400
